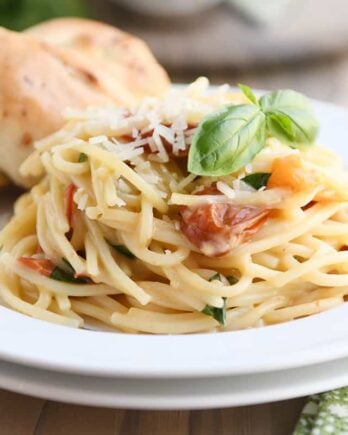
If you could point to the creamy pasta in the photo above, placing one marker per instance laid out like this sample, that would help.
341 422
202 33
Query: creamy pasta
119 231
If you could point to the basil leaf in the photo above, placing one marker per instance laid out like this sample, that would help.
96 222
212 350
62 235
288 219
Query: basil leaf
227 140
232 279
257 180
248 93
62 275
214 277
289 117
217 276
122 250
83 158
218 314
68 265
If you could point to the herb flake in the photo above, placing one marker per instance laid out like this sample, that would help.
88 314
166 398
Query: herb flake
83 158
257 180
123 250
230 138
218 314
60 274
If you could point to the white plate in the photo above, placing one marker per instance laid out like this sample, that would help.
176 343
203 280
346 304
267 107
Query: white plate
303 342
174 393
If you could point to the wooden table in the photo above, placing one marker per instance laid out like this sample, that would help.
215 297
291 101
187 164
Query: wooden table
325 78
22 415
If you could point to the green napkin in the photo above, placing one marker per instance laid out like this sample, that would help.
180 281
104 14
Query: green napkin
19 14
325 414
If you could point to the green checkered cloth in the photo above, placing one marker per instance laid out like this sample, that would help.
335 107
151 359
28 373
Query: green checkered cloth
325 414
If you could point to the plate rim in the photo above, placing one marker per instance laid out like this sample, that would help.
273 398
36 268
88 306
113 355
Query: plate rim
173 395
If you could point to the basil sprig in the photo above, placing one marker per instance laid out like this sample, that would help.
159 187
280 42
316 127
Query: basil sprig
231 137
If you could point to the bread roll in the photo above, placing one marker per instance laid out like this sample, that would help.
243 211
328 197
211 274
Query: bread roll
122 59
4 181
40 78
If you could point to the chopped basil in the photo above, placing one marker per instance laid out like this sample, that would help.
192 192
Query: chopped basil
232 279
67 274
257 180
214 277
83 158
68 265
217 277
218 314
122 250
62 275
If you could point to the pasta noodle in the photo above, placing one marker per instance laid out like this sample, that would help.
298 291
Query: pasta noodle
107 237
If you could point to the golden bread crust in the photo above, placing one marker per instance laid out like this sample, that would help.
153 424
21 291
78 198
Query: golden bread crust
65 63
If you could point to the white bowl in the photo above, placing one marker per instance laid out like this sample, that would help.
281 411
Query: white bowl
168 8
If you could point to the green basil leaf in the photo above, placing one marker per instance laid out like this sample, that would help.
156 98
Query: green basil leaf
68 265
227 140
289 117
218 314
217 276
62 275
248 93
232 279
83 158
122 250
214 277
257 180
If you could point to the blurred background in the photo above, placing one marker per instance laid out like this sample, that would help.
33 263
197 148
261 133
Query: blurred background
301 44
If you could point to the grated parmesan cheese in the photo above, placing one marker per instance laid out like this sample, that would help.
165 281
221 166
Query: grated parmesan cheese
162 153
97 140
225 189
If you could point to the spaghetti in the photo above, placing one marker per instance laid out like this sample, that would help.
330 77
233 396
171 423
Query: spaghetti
119 234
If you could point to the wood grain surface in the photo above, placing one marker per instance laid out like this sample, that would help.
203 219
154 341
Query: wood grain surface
22 415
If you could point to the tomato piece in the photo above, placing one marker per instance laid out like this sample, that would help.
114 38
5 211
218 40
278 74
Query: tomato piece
69 203
289 172
42 265
217 228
